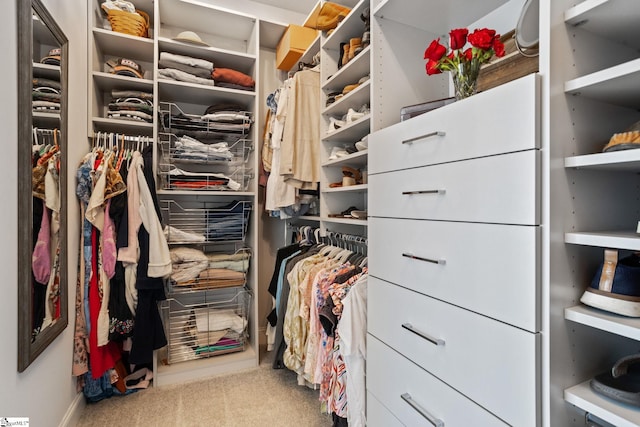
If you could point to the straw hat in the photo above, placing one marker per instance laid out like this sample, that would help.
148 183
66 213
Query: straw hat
190 37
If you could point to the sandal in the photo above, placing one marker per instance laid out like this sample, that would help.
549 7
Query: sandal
622 382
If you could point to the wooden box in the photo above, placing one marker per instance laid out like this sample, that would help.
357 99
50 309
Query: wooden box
511 66
294 42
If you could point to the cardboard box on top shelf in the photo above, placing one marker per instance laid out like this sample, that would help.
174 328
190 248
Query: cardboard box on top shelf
294 42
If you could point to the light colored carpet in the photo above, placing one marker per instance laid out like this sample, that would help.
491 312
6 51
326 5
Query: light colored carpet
253 398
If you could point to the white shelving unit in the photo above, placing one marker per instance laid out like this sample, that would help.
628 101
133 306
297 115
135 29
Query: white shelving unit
105 44
233 43
334 80
590 203
43 42
233 40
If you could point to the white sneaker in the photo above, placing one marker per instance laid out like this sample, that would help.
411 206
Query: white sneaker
353 115
337 152
363 144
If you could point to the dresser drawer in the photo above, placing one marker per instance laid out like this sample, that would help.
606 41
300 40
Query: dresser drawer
490 362
487 268
502 120
378 415
398 383
498 189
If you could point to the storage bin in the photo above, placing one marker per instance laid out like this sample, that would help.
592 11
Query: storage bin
294 42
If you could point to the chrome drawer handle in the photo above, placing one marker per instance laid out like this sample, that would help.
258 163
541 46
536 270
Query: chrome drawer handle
409 327
408 193
426 135
419 258
433 420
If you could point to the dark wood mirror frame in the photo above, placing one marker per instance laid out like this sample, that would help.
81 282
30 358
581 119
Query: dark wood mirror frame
29 349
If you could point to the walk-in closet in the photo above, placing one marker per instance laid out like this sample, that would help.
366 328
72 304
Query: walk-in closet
321 213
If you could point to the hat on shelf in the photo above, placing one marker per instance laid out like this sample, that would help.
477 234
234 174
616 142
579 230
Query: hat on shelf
53 58
126 67
190 37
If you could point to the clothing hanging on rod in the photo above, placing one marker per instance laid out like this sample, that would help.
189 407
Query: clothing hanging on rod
290 147
117 317
46 226
311 286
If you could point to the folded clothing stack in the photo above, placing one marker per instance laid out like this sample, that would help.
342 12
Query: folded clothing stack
232 79
185 69
46 94
193 268
131 105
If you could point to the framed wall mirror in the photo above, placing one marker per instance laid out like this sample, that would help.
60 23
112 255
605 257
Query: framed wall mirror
42 180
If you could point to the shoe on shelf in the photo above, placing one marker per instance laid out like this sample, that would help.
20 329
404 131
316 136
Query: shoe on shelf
335 124
355 47
348 171
337 152
345 54
359 214
616 285
366 39
349 88
347 212
363 144
353 115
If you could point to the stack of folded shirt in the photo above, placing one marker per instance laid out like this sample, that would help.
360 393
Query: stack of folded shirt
182 179
189 149
177 235
131 105
233 79
187 264
185 69
46 94
193 268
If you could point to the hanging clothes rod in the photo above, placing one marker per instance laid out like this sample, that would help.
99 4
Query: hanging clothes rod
337 237
114 140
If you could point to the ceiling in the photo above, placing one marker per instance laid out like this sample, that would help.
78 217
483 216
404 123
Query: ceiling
301 6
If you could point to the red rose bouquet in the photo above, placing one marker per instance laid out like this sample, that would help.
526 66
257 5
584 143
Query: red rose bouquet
463 62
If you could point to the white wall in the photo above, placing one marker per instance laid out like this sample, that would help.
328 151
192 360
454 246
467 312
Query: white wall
45 390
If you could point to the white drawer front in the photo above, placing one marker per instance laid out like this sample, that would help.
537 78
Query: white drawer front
502 120
390 376
487 268
498 189
490 362
378 415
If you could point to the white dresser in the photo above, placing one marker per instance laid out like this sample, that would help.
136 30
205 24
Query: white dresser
454 294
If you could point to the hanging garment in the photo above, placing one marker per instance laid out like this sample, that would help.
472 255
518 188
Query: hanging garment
300 155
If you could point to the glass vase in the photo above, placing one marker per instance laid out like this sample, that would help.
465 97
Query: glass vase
465 79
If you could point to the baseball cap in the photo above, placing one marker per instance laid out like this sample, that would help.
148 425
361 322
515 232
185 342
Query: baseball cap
53 58
126 67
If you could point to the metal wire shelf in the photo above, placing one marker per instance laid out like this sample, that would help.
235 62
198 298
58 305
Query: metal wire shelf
187 150
215 125
205 324
235 179
202 222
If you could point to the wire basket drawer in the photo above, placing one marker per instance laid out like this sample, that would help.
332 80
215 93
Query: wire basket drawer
220 164
206 323
206 222
175 120
196 270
